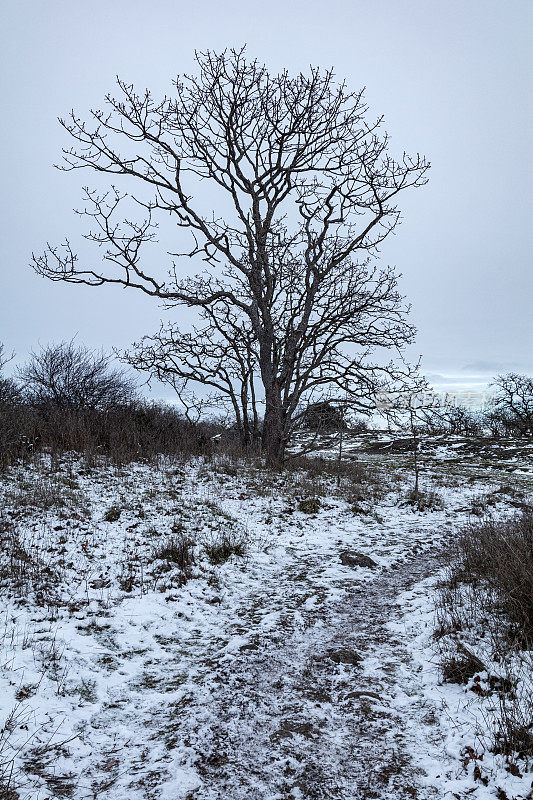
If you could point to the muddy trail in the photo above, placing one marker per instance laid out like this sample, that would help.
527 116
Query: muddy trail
313 699
309 710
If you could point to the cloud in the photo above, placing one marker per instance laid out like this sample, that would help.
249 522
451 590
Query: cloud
490 367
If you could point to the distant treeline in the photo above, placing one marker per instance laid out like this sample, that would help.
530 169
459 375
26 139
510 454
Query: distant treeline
509 413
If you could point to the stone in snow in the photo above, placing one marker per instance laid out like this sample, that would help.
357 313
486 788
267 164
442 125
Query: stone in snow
349 558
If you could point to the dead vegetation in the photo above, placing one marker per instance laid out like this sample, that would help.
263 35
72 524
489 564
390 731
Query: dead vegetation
177 551
224 547
500 555
485 626
61 515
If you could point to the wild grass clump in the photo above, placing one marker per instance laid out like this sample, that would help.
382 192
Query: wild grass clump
23 566
427 500
43 494
176 551
361 486
309 505
18 717
319 467
514 735
113 513
486 600
459 667
223 548
500 554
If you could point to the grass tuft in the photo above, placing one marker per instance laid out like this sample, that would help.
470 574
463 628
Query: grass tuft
178 550
228 545
113 513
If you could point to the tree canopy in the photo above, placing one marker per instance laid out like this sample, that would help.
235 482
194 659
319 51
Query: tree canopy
291 303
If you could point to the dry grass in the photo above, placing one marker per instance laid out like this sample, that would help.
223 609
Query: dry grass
487 599
225 546
500 554
178 550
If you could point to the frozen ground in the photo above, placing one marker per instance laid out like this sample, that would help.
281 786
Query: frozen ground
468 457
279 673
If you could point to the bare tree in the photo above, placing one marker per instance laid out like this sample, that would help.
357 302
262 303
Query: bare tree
312 193
512 405
220 356
73 377
9 392
445 416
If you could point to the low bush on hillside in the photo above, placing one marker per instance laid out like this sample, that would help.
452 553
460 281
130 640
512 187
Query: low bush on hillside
500 555
485 626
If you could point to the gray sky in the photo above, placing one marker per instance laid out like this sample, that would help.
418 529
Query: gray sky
452 78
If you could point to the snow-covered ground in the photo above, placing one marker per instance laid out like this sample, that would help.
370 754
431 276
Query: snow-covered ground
286 671
463 715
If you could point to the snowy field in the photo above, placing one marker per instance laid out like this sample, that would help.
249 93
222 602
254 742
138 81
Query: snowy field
208 630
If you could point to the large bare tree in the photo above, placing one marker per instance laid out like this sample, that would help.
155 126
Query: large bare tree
289 295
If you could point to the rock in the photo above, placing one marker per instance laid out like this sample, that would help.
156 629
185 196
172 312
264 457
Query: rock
344 656
349 558
282 734
249 646
510 490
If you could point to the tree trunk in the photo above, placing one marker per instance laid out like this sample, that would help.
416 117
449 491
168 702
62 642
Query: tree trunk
273 440
415 457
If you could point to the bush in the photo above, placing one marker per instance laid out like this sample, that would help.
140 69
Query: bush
140 430
10 401
459 668
487 601
501 555
310 505
113 514
323 417
429 500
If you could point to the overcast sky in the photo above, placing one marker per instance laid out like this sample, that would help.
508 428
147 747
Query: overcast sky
452 77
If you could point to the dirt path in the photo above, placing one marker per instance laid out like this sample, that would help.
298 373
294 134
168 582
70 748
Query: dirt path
293 694
305 710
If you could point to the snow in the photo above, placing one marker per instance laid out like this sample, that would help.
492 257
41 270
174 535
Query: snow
462 717
278 674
